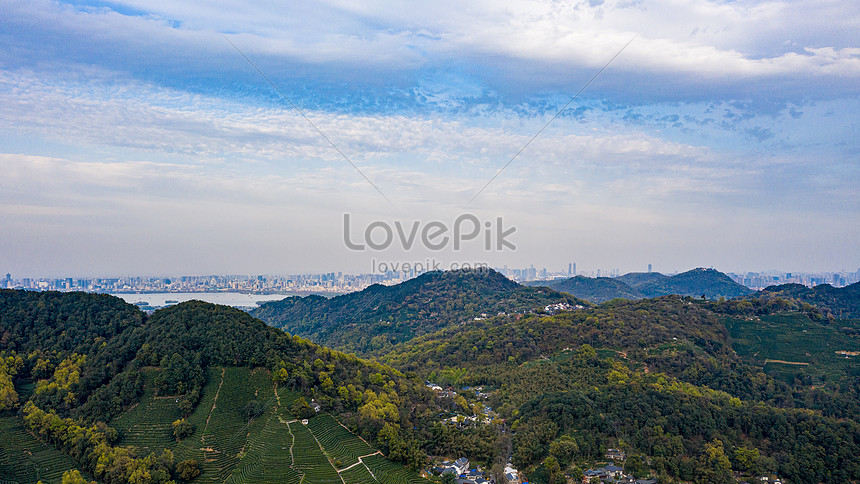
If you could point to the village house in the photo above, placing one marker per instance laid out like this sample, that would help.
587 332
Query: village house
615 455
458 467
512 475
605 473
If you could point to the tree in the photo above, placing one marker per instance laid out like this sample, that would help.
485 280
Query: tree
554 469
389 440
634 465
301 409
9 367
282 376
747 460
714 466
563 449
187 470
74 477
8 397
186 407
252 409
182 429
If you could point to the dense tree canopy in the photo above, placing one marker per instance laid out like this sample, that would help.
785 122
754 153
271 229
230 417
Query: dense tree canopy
379 316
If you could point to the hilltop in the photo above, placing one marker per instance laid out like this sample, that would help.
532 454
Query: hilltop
637 279
838 302
710 283
380 316
597 290
637 285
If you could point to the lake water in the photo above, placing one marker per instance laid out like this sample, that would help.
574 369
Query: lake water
236 299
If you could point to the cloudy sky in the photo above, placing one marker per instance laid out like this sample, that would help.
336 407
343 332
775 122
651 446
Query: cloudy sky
134 139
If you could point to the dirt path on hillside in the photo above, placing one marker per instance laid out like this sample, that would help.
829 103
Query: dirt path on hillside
799 363
214 402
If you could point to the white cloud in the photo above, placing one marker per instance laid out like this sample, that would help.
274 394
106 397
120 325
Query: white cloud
704 44
135 115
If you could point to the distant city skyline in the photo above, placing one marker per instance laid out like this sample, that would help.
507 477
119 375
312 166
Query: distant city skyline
340 282
558 269
135 139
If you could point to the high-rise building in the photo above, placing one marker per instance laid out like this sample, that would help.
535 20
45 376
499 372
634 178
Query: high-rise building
574 268
569 267
649 268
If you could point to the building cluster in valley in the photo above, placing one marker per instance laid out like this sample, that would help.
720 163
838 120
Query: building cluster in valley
612 474
465 475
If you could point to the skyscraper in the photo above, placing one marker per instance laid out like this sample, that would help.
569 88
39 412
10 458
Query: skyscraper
649 268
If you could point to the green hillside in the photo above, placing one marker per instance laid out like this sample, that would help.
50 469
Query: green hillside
636 285
637 279
697 282
24 458
790 345
837 302
577 375
597 290
379 316
196 392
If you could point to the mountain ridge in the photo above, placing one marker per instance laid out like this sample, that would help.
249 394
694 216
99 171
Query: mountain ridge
379 316
838 302
597 290
701 281
637 285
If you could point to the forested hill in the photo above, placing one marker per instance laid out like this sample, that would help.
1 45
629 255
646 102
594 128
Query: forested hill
64 322
697 282
662 378
637 279
597 290
629 326
114 395
380 316
839 302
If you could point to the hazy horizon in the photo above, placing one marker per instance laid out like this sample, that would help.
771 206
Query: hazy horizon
555 272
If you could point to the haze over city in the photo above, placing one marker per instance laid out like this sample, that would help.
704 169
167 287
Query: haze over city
135 140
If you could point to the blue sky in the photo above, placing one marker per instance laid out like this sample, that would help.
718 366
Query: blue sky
135 140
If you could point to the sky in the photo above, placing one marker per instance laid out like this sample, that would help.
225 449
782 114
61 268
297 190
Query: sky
135 139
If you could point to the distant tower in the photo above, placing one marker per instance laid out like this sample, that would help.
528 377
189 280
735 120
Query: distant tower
569 268
574 268
649 268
